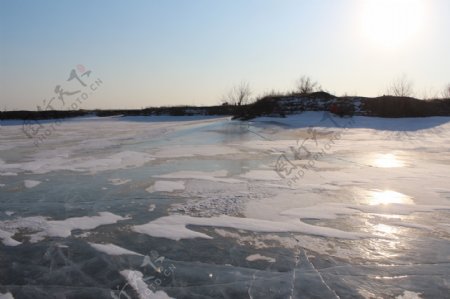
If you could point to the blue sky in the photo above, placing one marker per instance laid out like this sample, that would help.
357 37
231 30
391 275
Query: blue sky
154 53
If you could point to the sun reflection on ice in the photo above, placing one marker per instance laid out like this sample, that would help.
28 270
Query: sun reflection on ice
386 230
387 161
388 242
388 197
385 243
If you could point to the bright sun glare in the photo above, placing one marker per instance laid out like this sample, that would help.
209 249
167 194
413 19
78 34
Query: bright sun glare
388 197
387 161
392 23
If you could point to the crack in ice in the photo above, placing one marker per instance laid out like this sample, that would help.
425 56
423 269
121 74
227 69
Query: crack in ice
321 277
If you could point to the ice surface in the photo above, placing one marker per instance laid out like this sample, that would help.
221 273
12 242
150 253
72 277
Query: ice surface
126 159
368 218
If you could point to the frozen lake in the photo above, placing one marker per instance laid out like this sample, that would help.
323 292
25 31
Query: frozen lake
309 206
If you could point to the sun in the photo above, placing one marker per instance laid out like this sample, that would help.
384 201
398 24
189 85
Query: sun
392 23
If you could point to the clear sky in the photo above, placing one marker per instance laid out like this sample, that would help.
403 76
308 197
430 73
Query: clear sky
168 52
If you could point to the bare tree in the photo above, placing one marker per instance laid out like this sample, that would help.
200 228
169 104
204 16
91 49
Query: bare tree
306 85
429 94
238 95
401 87
446 92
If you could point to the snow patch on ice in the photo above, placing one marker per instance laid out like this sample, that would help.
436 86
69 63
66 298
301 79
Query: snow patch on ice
112 249
262 175
211 206
6 296
398 208
411 225
43 227
8 174
63 228
333 210
166 186
174 227
121 160
368 295
409 295
126 159
258 257
117 182
195 150
31 183
216 176
321 211
136 281
7 239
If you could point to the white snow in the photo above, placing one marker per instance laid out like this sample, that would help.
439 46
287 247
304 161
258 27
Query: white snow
195 150
262 175
166 186
7 239
409 295
332 210
258 257
215 176
126 159
411 225
92 164
112 249
6 296
8 173
136 280
322 211
31 183
118 182
41 227
174 227
63 228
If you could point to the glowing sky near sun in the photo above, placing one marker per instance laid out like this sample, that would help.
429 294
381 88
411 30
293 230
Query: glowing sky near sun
152 53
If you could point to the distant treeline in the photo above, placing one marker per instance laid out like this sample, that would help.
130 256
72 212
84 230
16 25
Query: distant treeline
271 105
